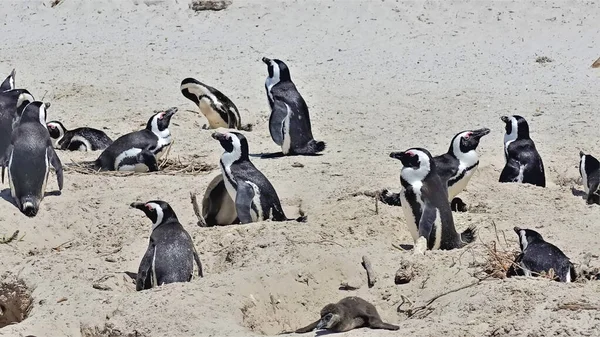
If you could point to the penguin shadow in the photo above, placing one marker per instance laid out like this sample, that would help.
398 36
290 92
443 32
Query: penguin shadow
280 155
5 194
406 246
578 193
325 332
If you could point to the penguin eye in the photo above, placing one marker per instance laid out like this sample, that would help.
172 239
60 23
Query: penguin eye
149 207
467 136
162 114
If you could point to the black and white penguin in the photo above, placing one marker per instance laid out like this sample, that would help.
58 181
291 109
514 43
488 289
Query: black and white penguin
538 256
139 151
455 167
80 139
289 123
28 159
254 196
9 82
589 168
218 109
425 202
12 104
171 253
523 162
218 209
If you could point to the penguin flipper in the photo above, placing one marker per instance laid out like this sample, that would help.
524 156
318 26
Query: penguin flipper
148 158
9 82
144 270
278 116
509 172
243 202
426 223
309 327
55 161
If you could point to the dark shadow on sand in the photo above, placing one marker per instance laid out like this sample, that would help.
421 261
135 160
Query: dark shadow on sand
578 193
5 194
406 247
280 155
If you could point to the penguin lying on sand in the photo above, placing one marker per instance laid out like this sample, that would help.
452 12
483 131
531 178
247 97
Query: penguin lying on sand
455 167
28 159
254 197
589 169
171 253
348 314
9 82
289 123
80 139
425 203
218 109
523 162
538 256
140 150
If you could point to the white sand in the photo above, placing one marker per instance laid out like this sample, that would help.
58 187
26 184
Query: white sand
378 76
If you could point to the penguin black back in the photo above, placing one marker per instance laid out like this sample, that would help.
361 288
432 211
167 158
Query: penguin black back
523 162
79 139
12 104
589 169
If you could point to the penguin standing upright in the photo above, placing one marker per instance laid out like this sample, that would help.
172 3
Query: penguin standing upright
171 253
28 159
523 162
425 202
140 150
538 256
80 139
254 196
9 82
289 123
589 169
218 109
455 167
12 104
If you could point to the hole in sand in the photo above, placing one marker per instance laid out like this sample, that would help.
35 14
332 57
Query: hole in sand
15 302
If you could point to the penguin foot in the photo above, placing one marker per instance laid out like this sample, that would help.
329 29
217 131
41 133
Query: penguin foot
246 127
420 246
205 127
392 199
457 205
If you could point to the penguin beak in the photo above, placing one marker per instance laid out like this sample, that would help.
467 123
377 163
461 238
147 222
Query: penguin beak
397 155
266 61
581 154
138 205
170 112
47 105
322 324
517 229
505 119
480 133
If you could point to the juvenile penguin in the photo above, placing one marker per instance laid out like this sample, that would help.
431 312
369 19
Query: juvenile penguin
171 253
80 139
218 109
12 104
289 123
455 167
28 159
425 202
589 168
348 314
9 82
539 256
218 209
254 196
523 162
139 151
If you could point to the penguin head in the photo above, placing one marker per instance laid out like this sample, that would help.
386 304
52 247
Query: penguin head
35 111
159 122
57 130
527 236
9 82
416 162
193 89
156 210
516 127
278 71
234 144
466 141
331 315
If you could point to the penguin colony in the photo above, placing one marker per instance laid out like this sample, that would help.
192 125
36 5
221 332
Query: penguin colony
241 194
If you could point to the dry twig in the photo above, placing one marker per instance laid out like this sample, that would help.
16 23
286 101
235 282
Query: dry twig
201 220
167 167
9 239
424 310
371 278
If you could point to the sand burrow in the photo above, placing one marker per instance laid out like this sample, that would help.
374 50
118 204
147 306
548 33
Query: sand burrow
15 302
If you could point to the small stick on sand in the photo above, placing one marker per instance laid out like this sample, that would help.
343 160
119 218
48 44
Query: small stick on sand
371 278
10 239
425 308
201 221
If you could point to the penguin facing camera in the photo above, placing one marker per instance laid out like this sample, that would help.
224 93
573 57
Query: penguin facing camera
523 162
28 159
424 199
289 123
171 253
139 151
218 109
589 169
254 197
538 256
80 139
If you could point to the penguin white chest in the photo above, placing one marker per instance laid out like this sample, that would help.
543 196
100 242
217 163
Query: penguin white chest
228 179
214 118
162 146
584 175
287 138
409 217
461 184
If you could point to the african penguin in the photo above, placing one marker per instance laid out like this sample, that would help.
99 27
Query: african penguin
9 82
425 202
12 104
254 196
455 167
523 162
80 139
348 314
218 109
28 159
589 168
139 151
289 123
171 253
538 256
218 208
